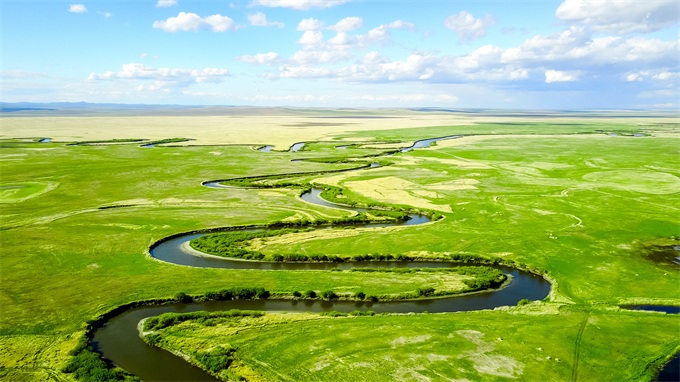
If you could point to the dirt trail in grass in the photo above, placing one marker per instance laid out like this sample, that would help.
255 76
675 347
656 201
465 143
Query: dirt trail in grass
577 348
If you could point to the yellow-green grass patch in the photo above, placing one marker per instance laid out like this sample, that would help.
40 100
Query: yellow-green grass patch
19 192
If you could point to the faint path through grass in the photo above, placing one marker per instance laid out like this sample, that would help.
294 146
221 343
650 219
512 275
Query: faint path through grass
577 348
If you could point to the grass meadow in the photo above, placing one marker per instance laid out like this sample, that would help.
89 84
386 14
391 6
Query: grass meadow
583 199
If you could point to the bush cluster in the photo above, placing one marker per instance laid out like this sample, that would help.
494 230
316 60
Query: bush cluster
169 319
238 293
217 359
87 365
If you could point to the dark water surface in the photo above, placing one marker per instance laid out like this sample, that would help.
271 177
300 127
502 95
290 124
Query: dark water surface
671 371
654 308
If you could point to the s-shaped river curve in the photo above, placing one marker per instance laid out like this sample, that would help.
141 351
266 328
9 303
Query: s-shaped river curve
118 339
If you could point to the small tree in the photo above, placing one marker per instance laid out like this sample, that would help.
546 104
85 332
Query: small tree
310 294
183 297
360 295
425 291
329 295
297 294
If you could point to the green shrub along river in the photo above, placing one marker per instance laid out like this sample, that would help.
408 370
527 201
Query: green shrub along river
599 214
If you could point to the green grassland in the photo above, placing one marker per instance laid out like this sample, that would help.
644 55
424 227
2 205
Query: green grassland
585 208
484 345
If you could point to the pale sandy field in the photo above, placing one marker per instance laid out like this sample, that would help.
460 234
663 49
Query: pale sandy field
280 131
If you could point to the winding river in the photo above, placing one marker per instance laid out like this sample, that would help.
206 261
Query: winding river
118 339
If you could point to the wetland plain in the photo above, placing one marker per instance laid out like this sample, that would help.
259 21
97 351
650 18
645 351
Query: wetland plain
588 203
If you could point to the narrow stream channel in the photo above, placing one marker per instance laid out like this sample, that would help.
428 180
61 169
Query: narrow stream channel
427 142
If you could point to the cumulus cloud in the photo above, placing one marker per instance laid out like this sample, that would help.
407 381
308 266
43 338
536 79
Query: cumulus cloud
191 22
620 16
341 47
347 24
77 8
219 23
467 27
260 58
259 19
661 75
182 22
301 5
381 34
168 77
166 3
311 38
559 76
310 24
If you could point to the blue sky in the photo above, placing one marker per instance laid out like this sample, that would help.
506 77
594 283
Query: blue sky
533 54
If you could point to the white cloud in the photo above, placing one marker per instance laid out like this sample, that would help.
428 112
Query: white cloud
620 16
301 5
381 34
560 76
77 8
662 75
632 77
347 24
665 76
341 47
310 24
168 77
260 58
192 22
576 49
182 22
219 23
311 38
166 3
373 67
400 24
467 27
259 19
